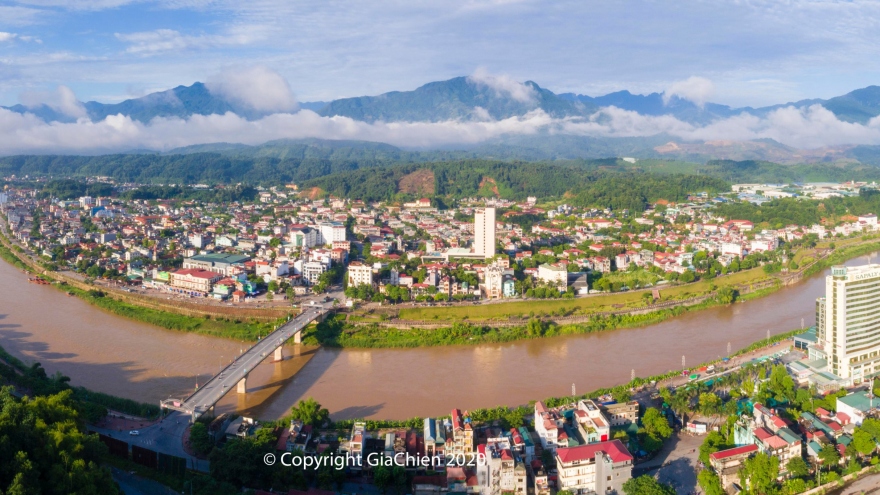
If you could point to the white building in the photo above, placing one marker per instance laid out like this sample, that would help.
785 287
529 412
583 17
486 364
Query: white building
484 232
596 468
312 270
359 274
847 327
556 275
332 232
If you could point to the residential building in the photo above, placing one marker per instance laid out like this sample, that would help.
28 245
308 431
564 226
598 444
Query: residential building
597 468
556 275
727 463
194 281
502 472
462 438
621 413
359 274
312 270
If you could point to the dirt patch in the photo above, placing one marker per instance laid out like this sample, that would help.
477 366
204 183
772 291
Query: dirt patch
313 193
421 182
487 185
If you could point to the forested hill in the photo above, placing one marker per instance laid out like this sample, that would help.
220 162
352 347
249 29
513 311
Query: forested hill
585 184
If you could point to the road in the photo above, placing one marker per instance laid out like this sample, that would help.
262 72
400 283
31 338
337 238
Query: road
165 436
219 385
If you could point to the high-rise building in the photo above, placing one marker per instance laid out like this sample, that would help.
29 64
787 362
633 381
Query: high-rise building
484 232
848 322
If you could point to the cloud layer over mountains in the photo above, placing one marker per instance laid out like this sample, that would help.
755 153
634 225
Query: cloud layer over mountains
265 91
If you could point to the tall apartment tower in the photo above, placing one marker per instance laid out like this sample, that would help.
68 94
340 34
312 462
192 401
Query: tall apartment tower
848 322
484 232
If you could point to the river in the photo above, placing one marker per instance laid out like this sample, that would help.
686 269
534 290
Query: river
118 356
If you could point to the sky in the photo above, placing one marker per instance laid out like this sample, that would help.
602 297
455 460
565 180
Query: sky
271 54
755 52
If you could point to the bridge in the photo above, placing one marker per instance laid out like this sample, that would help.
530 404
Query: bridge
234 375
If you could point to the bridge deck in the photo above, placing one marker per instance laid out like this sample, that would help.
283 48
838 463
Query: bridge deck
220 384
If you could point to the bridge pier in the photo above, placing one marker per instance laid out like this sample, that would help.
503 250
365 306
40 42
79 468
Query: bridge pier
279 353
242 386
297 337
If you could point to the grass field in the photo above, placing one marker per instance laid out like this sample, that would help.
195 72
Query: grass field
590 304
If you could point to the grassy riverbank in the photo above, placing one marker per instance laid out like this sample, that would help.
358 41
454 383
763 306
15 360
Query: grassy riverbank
216 327
583 305
34 380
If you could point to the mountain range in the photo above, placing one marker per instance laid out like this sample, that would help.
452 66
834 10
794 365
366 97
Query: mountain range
475 99
460 98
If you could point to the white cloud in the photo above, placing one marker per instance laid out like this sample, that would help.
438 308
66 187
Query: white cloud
61 100
695 89
4 36
504 86
165 40
258 87
801 128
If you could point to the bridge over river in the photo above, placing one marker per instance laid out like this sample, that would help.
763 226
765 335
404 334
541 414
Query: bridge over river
234 375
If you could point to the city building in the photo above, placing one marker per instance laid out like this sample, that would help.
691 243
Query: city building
595 468
194 281
359 274
225 264
727 463
332 232
484 232
848 331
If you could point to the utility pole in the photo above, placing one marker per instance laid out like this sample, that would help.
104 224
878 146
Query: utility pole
573 393
768 335
632 375
728 349
682 362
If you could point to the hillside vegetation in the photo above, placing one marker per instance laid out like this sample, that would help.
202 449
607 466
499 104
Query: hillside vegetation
582 185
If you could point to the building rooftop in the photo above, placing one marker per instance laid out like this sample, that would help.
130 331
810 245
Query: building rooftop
613 449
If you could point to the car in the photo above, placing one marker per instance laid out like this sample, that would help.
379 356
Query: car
134 433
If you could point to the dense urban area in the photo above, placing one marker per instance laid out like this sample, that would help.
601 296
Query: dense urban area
787 415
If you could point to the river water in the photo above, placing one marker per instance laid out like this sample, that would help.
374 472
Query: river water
111 354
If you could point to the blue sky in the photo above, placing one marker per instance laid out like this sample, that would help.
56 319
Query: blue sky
754 52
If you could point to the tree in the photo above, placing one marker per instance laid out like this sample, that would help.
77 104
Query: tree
726 295
829 456
687 277
45 450
759 473
382 477
713 443
797 467
710 482
310 412
710 404
863 442
656 424
646 485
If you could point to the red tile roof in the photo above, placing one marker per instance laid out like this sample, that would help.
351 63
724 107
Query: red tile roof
723 454
613 449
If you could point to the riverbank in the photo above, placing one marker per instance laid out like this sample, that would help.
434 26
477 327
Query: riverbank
547 318
216 327
341 333
34 380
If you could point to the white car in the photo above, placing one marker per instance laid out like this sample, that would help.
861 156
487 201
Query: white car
134 433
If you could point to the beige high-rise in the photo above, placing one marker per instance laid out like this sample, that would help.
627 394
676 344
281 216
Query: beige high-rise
484 232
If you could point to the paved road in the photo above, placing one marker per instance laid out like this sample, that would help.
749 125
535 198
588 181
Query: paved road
165 436
133 484
225 381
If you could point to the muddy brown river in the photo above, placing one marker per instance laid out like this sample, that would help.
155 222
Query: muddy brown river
115 355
